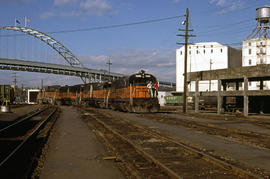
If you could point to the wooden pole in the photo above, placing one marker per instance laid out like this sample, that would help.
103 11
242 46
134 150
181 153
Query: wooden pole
185 64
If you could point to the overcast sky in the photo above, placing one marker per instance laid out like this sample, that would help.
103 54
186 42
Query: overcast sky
148 46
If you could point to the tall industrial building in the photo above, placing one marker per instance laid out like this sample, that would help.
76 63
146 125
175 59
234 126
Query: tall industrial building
256 48
205 56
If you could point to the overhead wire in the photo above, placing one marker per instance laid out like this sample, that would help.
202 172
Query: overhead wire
226 26
220 28
228 6
225 32
117 25
216 27
111 26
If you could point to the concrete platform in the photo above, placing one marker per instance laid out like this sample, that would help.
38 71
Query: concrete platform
74 151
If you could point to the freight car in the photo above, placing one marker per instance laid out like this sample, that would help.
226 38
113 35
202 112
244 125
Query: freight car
7 94
126 94
173 100
177 100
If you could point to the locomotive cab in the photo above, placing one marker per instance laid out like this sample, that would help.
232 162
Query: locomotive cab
141 79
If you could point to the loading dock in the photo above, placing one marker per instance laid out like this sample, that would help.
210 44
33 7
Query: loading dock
239 78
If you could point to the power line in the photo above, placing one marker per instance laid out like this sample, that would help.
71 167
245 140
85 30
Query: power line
208 46
106 27
223 32
117 25
228 6
223 26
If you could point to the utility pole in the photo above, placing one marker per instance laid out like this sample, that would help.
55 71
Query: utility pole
186 35
15 84
42 91
41 84
109 64
15 79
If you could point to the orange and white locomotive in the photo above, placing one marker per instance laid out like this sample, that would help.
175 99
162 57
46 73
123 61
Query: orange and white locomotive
126 94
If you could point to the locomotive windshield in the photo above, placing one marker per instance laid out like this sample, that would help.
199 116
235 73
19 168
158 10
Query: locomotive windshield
141 78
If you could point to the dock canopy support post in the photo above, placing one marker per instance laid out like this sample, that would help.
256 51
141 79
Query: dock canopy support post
196 96
219 98
245 96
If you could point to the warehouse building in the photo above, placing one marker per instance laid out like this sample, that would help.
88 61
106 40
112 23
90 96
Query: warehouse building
205 56
255 52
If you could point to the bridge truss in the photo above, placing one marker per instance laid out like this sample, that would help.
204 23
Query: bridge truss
76 68
30 66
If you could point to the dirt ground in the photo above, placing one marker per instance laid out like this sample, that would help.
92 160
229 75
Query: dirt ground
249 155
75 152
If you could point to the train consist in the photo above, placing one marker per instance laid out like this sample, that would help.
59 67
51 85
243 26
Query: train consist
126 94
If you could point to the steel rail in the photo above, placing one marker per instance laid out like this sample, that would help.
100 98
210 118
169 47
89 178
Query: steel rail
235 169
27 138
206 156
25 118
150 158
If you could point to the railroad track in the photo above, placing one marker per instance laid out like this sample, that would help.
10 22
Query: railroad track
13 125
258 120
251 137
144 151
21 141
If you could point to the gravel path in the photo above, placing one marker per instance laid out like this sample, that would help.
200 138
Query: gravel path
75 152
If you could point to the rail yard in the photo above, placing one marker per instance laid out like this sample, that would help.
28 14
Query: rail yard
211 122
134 145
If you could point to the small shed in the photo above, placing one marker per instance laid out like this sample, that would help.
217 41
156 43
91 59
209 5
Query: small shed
32 96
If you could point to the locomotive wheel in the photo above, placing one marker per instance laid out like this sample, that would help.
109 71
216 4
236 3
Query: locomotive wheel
123 107
113 107
102 105
138 109
131 109
154 109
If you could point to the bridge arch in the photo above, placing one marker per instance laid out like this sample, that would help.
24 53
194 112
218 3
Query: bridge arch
57 46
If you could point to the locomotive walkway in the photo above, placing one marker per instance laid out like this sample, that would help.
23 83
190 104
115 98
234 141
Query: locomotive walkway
74 151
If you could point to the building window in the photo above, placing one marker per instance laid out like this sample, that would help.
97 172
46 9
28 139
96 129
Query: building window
180 52
211 50
211 46
197 51
249 62
261 43
249 51
203 51
189 47
221 50
249 83
204 46
249 44
261 60
197 47
189 52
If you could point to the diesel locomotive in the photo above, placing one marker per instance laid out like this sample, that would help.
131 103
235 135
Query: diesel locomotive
129 94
